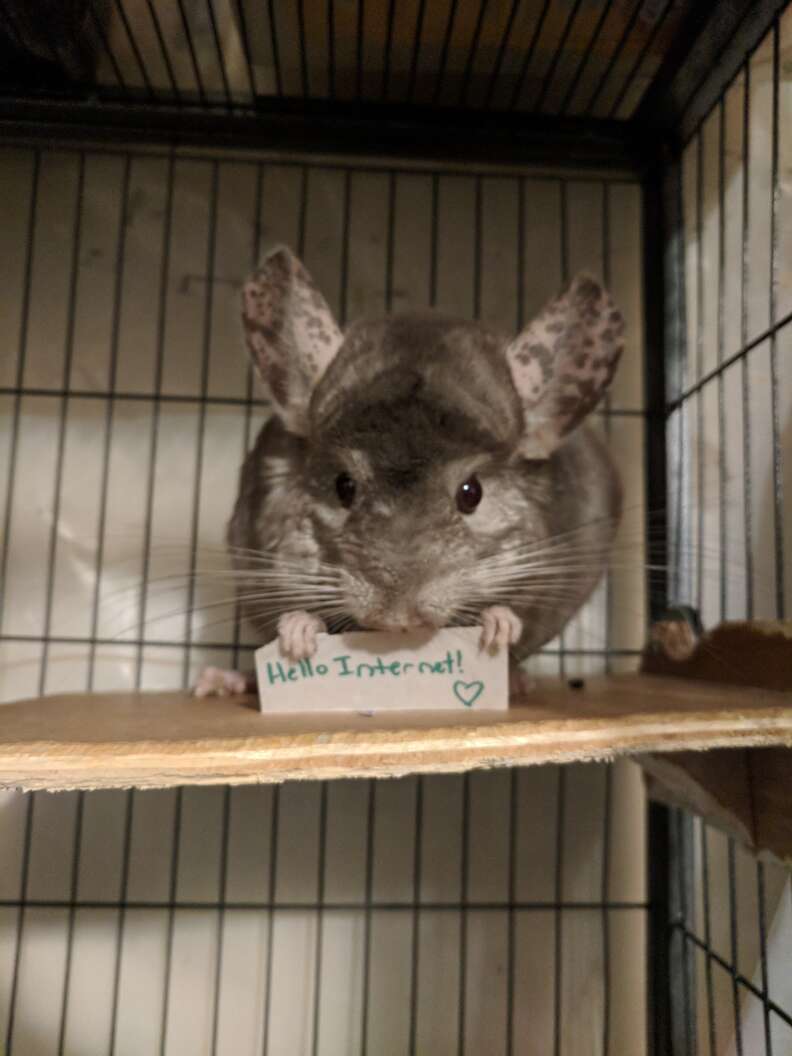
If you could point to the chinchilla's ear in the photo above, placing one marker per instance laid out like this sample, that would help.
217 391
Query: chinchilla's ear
563 362
290 332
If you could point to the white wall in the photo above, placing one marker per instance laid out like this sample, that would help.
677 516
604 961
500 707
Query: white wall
128 289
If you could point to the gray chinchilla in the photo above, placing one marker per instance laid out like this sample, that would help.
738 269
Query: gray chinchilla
421 470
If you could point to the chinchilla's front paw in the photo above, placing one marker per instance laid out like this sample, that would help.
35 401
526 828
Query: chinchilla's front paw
216 682
297 633
500 628
521 683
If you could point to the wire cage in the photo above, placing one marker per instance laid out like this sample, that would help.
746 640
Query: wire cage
467 155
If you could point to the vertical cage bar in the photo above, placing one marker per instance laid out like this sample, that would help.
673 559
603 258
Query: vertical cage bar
608 790
472 52
209 266
140 62
56 501
659 976
587 53
387 54
615 56
564 248
248 415
526 64
699 397
775 191
639 60
661 280
145 572
749 598
245 41
503 44
685 980
464 874
366 981
721 344
98 567
331 60
173 888
705 884
64 414
303 47
120 925
24 322
107 49
734 949
511 949
679 350
762 926
608 580
416 48
163 47
249 390
511 952
359 51
415 953
605 897
559 50
273 877
220 934
219 52
441 66
275 42
558 912
320 898
191 49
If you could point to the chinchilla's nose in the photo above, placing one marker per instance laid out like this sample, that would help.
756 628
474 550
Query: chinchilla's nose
398 620
407 615
401 616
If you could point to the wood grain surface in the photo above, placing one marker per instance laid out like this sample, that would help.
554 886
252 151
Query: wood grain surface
165 739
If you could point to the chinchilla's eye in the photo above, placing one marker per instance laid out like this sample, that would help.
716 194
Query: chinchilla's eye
468 495
345 489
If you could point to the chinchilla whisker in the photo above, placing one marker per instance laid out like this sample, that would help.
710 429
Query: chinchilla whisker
554 572
541 591
537 553
144 600
295 600
210 551
174 582
562 578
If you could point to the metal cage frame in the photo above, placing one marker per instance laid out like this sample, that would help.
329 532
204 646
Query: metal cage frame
713 47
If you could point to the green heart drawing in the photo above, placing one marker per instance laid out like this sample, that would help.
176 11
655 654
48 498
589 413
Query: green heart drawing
468 692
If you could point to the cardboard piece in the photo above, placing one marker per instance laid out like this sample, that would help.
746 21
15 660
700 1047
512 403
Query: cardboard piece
372 671
746 792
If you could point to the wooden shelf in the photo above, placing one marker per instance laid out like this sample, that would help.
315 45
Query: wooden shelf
149 740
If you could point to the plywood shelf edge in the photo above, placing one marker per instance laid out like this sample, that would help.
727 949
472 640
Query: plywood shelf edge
149 740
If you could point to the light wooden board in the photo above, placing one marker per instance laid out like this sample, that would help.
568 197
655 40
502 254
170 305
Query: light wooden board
165 739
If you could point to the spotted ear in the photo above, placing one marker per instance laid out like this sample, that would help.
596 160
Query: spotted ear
290 332
563 362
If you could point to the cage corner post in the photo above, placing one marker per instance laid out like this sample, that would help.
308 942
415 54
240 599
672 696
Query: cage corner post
661 285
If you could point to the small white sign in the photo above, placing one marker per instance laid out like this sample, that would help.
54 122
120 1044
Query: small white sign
367 671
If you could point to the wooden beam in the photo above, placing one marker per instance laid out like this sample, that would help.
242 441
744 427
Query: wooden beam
166 739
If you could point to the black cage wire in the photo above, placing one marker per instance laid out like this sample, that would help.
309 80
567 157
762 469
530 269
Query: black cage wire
683 96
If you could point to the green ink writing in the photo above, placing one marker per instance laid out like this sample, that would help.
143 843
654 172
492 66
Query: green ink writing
344 662
277 673
344 667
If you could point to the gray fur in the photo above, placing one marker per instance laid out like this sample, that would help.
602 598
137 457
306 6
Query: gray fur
411 406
